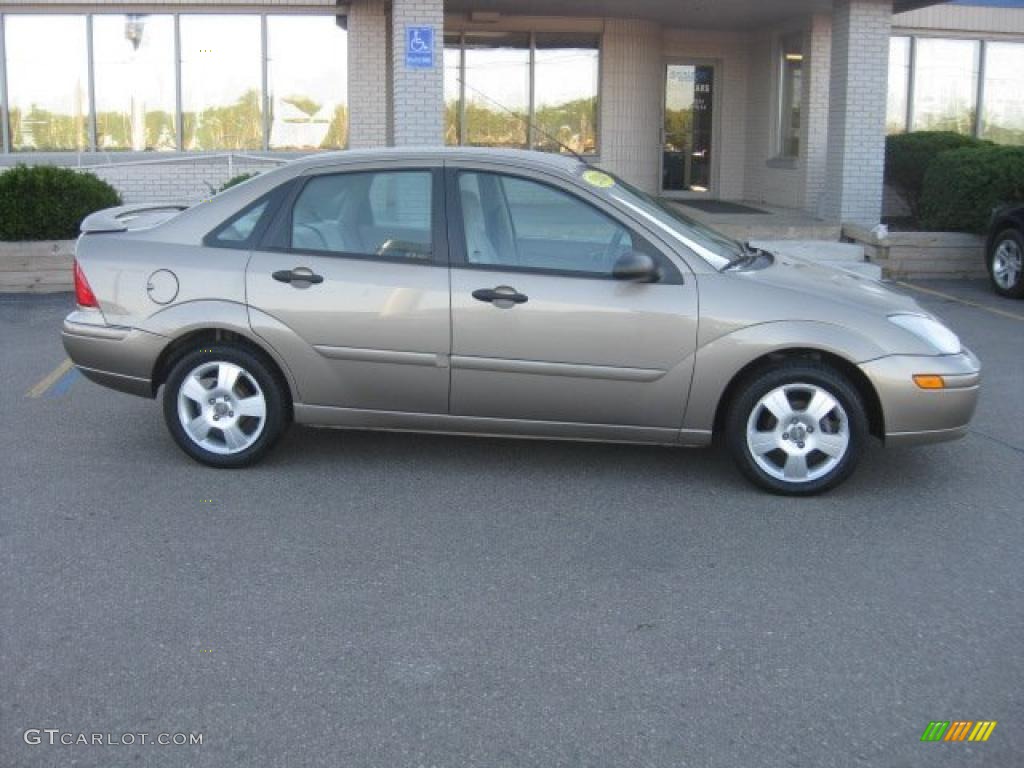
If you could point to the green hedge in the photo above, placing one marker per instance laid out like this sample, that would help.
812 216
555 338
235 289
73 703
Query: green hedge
908 155
235 180
962 187
46 203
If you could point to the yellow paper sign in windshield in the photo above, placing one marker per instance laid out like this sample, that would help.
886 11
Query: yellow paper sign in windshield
598 179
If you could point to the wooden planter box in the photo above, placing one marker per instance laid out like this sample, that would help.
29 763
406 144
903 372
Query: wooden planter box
40 266
922 254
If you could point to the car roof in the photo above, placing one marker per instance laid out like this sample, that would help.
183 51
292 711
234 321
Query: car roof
533 159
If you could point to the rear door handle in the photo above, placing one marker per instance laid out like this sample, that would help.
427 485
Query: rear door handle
503 296
298 275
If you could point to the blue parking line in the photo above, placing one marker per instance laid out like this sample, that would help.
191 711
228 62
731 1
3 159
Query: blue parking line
64 383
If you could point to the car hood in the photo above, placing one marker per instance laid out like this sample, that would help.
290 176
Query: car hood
825 283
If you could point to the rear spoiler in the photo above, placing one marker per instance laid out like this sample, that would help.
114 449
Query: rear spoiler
125 217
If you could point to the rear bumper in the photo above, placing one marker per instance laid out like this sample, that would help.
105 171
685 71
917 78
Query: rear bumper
113 356
913 415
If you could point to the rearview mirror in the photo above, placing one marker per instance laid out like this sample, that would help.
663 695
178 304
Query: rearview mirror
636 267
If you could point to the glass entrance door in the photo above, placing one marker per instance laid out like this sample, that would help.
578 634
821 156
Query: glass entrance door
686 147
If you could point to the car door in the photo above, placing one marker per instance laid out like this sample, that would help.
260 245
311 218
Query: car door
541 330
350 286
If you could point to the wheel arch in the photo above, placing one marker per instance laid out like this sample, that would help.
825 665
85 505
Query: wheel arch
857 378
197 337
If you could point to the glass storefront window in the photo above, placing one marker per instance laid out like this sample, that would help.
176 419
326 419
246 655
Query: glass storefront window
791 68
1002 119
221 77
47 82
135 90
899 83
497 78
945 84
565 91
308 104
452 89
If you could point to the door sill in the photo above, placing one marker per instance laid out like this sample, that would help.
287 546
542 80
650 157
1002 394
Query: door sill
400 421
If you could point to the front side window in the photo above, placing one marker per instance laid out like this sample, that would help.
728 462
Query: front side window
513 223
791 94
384 214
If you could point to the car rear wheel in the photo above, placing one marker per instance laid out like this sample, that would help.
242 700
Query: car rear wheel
797 429
1006 263
224 406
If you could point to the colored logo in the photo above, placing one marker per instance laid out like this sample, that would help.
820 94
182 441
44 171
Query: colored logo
958 730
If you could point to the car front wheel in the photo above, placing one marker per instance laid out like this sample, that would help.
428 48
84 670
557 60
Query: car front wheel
1006 263
797 429
224 406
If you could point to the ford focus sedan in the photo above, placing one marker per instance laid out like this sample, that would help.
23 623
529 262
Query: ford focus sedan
500 293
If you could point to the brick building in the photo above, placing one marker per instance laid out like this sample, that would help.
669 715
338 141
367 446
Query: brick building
783 102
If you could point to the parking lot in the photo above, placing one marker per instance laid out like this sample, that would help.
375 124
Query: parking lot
365 599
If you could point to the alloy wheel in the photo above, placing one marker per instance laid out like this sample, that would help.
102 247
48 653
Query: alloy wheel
1007 264
221 407
798 433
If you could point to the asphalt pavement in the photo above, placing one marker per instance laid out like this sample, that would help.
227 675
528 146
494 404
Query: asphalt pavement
396 600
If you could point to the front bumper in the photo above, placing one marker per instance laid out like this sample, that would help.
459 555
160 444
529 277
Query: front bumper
116 357
913 415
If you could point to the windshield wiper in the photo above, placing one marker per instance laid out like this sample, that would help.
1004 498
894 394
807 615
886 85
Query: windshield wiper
748 255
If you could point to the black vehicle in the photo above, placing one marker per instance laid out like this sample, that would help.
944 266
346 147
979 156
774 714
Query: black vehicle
1004 250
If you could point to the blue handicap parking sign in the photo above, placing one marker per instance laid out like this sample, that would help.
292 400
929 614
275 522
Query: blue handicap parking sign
419 47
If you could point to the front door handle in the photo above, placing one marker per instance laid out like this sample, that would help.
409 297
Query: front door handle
503 296
298 275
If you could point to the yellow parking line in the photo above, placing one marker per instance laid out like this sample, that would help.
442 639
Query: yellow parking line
50 379
951 297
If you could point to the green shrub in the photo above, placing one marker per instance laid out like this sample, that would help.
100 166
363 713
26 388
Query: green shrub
236 180
46 203
962 186
908 155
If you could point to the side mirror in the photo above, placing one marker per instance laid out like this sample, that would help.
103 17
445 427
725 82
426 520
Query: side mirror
636 267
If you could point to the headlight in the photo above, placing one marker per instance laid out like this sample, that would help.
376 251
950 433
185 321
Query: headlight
933 332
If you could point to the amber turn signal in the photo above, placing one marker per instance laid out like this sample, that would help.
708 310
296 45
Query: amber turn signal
929 381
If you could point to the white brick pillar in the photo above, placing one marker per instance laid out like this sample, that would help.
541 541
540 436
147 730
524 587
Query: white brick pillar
631 96
367 73
417 93
814 138
856 116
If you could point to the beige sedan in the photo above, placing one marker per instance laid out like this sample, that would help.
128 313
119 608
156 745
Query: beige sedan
500 293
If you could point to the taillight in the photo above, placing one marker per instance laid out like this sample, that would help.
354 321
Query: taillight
83 292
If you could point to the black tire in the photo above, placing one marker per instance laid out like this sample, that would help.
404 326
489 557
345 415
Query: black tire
273 390
824 377
1014 289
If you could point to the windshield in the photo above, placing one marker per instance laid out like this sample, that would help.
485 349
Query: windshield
714 247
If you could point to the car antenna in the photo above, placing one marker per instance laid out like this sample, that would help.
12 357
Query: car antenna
529 123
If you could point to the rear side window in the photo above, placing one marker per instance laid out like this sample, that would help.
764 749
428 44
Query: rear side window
385 214
240 228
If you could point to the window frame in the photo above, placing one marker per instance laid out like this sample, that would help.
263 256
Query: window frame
276 238
670 272
780 151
